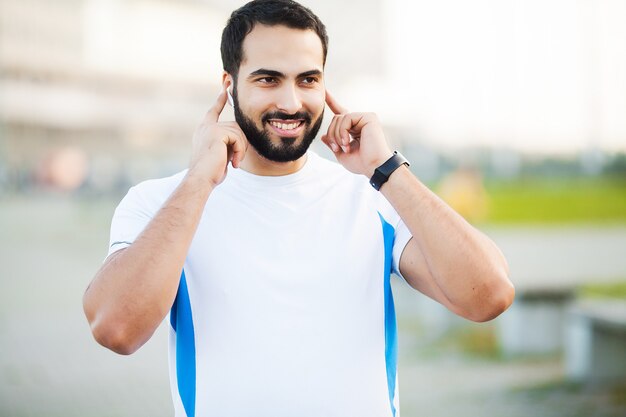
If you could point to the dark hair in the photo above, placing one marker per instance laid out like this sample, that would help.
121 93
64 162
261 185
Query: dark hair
270 13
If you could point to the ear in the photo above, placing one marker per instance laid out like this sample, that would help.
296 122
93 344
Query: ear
227 81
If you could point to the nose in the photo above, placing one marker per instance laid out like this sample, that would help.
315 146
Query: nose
289 100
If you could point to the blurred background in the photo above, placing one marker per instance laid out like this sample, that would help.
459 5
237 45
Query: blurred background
513 111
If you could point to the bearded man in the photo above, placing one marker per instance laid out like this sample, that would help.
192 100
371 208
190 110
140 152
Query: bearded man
273 263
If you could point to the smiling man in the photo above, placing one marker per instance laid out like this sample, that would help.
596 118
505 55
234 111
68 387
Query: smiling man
274 264
298 116
281 78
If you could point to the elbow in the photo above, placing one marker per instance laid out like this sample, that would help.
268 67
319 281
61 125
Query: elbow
110 333
114 337
495 299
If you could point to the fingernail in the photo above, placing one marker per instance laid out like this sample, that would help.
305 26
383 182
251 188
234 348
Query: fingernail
345 149
334 147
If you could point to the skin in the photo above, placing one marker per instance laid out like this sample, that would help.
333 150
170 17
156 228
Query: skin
447 259
298 56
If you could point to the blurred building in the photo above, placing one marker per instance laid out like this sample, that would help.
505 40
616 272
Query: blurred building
126 81
92 75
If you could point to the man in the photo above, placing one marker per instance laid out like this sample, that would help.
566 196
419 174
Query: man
283 306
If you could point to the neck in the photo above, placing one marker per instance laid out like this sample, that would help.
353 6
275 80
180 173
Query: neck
258 165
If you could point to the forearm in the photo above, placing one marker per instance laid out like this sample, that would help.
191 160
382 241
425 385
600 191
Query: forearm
447 258
465 265
135 288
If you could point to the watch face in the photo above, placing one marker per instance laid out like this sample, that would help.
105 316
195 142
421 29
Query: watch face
382 173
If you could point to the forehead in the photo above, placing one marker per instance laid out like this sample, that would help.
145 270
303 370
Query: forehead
282 49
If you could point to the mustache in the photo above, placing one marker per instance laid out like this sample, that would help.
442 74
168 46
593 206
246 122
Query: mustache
301 115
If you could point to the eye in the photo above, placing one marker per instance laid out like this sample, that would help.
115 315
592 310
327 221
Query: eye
309 80
267 80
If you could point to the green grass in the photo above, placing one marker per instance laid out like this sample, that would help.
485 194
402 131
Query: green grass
612 290
552 201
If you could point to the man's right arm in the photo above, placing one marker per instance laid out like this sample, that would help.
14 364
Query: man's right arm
135 288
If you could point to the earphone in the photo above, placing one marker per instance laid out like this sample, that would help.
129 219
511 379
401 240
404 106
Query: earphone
230 98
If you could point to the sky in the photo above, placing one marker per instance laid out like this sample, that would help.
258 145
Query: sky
536 75
545 76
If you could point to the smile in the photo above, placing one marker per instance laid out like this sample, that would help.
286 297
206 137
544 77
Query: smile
287 128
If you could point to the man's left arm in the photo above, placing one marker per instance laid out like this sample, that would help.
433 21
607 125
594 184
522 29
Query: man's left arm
447 258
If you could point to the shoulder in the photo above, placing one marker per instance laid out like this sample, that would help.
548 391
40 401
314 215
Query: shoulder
152 193
161 185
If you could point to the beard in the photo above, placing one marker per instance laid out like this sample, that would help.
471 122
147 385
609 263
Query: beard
289 148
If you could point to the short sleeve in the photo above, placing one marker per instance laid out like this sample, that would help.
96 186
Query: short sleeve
130 218
401 238
137 209
401 233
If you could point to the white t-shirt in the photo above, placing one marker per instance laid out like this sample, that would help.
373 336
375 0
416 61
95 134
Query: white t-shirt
284 306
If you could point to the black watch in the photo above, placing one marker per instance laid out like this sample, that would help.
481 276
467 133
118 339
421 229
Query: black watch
382 173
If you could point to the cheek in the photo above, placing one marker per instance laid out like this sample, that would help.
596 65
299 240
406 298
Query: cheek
258 102
255 102
315 101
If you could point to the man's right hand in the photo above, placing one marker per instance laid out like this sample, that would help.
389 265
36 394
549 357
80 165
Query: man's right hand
215 144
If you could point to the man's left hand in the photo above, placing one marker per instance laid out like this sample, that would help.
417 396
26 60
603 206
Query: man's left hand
356 139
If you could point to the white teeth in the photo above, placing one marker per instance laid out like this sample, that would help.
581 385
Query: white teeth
285 126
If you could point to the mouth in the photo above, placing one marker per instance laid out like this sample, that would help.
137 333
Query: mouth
286 128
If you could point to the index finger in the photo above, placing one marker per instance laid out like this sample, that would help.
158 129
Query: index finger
214 112
333 105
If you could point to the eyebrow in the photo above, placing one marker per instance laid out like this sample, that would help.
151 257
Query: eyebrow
278 74
310 73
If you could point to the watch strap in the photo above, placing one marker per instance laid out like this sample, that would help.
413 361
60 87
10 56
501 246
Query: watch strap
382 173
